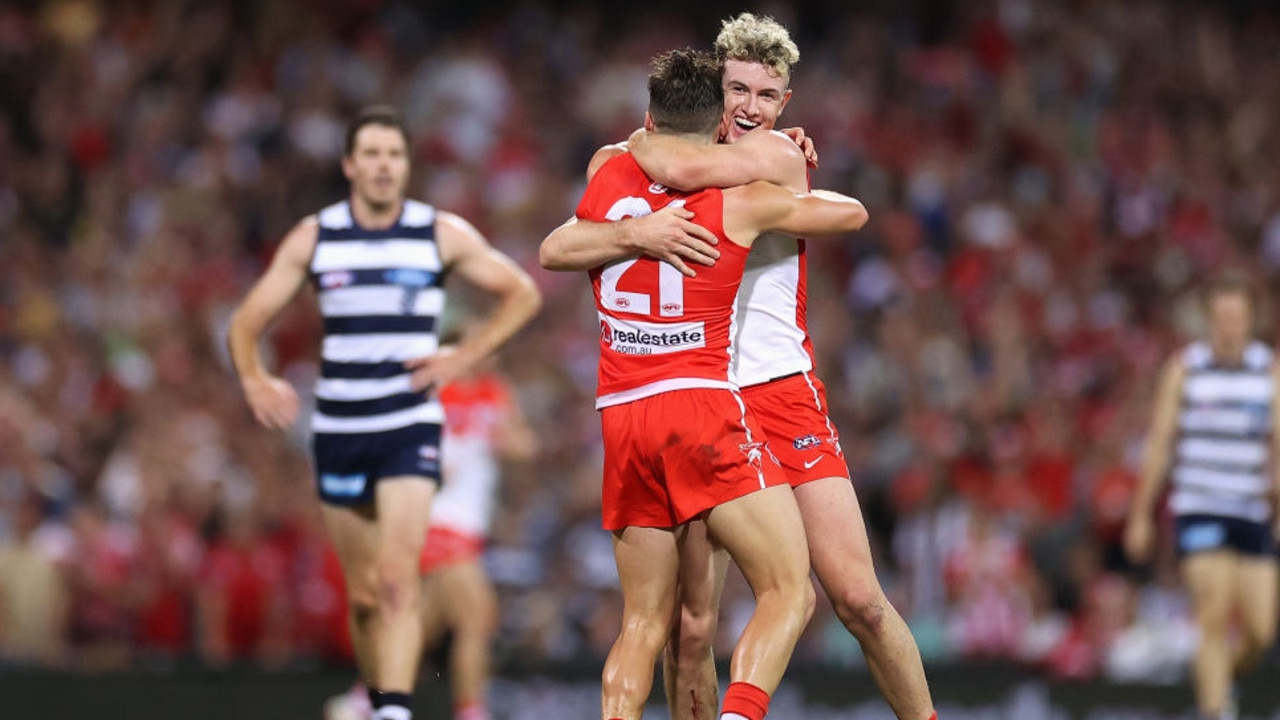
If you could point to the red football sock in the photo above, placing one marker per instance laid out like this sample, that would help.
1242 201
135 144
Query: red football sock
745 700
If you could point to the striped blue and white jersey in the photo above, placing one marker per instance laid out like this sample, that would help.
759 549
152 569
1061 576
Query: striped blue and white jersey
1222 457
381 296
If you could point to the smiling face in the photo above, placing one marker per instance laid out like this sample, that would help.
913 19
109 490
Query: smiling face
378 166
754 96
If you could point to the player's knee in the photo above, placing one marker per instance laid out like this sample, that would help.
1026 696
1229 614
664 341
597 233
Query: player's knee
808 600
1213 623
1261 637
696 632
362 601
647 632
480 617
863 612
397 587
797 601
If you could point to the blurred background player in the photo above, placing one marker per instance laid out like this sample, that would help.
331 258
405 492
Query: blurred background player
1214 435
774 364
377 262
484 428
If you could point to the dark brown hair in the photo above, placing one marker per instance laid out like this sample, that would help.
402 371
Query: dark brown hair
685 95
384 115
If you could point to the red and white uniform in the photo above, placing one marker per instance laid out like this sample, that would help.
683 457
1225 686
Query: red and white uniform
476 409
669 457
773 337
774 362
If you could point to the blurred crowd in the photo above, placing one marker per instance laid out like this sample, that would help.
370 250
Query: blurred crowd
1048 182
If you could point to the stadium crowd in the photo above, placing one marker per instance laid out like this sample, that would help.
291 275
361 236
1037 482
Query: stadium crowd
1047 183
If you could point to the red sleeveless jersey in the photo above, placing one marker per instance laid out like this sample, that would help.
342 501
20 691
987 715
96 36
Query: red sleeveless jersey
659 330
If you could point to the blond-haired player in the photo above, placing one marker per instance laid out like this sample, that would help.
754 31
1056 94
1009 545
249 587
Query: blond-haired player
773 364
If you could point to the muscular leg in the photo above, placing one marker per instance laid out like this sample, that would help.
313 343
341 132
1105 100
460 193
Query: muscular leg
841 558
764 534
472 609
647 559
403 508
1256 597
355 538
688 665
1208 576
433 603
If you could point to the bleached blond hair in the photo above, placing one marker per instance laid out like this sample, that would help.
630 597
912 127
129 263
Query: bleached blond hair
751 38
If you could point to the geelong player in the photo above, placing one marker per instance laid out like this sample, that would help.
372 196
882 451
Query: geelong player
377 262
1214 434
679 442
774 364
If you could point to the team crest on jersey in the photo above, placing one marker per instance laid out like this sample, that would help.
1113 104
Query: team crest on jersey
337 279
806 442
657 188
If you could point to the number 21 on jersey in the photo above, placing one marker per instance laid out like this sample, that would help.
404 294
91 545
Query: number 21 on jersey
670 280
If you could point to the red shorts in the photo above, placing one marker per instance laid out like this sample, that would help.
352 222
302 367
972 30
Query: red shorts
792 411
445 546
672 456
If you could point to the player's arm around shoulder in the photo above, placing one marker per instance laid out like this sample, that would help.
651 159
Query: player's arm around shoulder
604 155
688 166
761 207
579 245
669 234
466 253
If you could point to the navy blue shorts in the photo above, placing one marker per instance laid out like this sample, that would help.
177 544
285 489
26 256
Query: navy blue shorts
349 465
1202 533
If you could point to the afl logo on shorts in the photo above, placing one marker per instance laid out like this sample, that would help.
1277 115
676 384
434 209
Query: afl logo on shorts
429 458
806 442
341 278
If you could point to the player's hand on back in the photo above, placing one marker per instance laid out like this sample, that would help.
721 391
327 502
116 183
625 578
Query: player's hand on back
804 142
671 235
274 402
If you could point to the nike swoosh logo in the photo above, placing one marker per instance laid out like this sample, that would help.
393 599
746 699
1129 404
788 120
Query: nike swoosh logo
812 462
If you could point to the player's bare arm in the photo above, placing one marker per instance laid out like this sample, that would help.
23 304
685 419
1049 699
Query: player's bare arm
804 142
1139 535
760 155
602 156
760 207
669 235
273 401
514 438
468 255
1275 452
